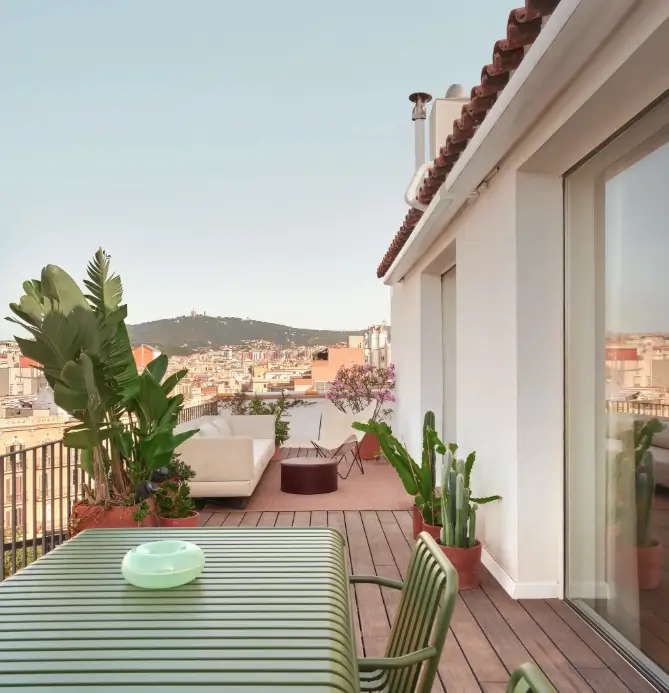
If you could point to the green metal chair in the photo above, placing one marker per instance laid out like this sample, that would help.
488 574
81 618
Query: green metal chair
528 678
421 625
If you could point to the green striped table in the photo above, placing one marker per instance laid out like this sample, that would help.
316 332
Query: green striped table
270 612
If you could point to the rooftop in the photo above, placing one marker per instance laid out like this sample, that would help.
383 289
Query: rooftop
522 28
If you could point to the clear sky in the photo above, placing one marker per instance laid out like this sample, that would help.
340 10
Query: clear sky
637 245
240 158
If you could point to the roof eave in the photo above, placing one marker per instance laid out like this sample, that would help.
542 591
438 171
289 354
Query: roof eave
575 31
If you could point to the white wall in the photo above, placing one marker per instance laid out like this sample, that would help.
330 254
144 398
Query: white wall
487 393
405 312
510 393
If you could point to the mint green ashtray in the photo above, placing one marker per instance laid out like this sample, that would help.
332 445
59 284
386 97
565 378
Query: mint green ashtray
159 565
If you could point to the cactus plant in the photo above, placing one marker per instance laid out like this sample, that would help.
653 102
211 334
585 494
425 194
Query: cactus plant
458 508
645 499
429 423
639 439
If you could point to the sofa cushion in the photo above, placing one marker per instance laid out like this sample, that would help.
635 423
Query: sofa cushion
263 449
208 430
222 426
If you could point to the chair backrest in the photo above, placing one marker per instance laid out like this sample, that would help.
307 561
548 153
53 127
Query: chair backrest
336 428
363 416
423 616
528 678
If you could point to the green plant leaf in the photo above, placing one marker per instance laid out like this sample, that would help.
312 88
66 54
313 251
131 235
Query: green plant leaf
157 368
172 381
86 461
57 285
106 290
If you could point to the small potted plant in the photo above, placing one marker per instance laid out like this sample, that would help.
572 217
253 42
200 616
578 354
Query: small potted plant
458 519
355 388
174 506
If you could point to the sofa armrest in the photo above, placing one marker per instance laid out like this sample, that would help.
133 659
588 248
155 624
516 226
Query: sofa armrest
219 459
255 427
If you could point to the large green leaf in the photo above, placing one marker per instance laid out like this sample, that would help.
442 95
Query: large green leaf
59 286
151 400
106 290
172 381
394 452
38 351
73 401
81 438
30 309
157 368
171 413
86 461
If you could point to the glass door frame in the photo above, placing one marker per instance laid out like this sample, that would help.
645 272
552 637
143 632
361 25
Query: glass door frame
584 330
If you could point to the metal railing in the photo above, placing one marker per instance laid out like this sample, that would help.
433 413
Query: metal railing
206 409
39 487
639 408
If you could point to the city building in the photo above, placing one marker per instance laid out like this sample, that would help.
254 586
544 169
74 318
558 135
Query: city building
376 343
30 470
536 231
326 362
143 355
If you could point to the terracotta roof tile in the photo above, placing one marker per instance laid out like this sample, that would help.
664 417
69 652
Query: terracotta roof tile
523 27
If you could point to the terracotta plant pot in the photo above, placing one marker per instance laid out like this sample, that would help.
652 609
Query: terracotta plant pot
433 530
190 521
276 457
369 447
649 565
468 564
86 516
417 521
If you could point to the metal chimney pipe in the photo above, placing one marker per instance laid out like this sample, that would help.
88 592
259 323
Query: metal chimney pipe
420 100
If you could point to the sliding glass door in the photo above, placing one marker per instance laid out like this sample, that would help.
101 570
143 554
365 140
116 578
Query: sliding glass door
617 394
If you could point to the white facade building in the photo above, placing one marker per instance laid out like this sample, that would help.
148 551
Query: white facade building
501 281
376 342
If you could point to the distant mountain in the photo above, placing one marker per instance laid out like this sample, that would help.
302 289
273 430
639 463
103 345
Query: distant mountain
184 334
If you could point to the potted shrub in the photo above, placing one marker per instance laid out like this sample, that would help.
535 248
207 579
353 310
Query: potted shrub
174 506
355 388
243 405
646 554
418 480
126 421
458 519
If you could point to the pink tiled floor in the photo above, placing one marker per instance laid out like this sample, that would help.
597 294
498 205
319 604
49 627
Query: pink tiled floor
379 488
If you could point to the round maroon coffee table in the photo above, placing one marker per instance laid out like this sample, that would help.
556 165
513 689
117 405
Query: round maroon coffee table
308 475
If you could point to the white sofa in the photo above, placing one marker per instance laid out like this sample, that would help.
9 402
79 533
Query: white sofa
228 455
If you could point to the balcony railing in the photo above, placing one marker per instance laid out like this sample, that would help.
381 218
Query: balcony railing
39 487
638 408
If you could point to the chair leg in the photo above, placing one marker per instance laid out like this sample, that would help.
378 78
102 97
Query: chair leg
356 457
355 461
345 476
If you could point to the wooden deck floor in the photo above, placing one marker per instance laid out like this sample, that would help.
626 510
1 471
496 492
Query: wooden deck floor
490 634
